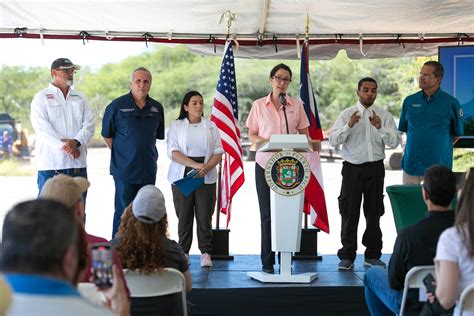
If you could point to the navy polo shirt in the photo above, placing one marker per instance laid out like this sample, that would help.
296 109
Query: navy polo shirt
430 124
134 132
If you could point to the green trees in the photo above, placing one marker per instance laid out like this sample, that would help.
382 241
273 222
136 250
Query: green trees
176 70
18 85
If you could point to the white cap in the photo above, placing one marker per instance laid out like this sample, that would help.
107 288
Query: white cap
149 205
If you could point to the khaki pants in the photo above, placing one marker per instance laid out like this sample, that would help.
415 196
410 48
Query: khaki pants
200 203
409 179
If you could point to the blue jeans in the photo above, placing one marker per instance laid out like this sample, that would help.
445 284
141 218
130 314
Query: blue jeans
44 175
124 195
380 298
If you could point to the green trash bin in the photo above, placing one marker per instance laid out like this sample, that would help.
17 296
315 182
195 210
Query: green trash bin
407 204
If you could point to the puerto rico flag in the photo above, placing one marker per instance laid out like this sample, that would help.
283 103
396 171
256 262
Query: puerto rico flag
315 201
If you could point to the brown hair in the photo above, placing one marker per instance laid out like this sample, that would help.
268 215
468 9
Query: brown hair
141 245
465 213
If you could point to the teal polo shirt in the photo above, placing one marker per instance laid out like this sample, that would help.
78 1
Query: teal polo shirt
430 124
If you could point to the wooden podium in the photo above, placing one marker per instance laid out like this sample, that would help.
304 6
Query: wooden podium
287 173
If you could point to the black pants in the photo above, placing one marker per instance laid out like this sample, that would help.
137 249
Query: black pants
364 180
263 192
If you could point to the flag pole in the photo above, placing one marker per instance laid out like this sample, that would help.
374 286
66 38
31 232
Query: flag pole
219 196
309 237
306 38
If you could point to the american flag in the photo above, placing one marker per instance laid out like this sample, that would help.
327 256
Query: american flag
315 201
225 115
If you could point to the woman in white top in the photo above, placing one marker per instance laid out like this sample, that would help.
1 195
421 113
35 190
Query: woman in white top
194 143
454 259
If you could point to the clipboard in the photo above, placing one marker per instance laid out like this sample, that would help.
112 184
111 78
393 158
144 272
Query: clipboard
189 183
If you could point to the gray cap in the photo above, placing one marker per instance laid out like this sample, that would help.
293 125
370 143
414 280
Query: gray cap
149 205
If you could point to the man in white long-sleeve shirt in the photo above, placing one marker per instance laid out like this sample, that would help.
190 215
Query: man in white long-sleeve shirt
363 130
63 123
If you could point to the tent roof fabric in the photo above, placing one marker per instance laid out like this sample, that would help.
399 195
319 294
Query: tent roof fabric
263 28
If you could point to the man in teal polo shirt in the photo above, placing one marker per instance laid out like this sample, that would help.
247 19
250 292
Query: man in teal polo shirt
433 121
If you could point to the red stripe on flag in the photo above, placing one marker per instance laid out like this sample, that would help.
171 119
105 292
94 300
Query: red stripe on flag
224 115
314 195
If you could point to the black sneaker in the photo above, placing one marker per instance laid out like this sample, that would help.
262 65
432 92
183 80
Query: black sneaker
268 269
374 263
345 265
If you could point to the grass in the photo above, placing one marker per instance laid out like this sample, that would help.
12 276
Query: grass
463 160
15 167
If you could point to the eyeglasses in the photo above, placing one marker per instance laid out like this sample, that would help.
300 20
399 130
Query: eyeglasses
280 79
68 70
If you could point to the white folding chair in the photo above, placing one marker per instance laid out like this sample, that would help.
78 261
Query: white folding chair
466 302
90 292
414 279
169 281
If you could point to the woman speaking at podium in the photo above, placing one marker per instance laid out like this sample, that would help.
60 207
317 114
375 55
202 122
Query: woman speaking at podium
276 113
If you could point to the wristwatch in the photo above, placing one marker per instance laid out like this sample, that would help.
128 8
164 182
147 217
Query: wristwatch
78 144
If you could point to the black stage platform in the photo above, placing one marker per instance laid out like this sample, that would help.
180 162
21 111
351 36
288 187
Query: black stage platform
225 289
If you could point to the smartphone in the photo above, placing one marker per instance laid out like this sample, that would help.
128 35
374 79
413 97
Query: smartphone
102 265
428 282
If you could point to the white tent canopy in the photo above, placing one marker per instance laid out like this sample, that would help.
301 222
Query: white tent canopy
262 28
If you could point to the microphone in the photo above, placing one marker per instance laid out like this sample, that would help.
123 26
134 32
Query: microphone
283 99
283 103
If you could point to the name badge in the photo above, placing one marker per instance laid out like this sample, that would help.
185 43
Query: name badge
416 105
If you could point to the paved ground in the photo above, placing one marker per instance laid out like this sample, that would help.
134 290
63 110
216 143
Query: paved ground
245 223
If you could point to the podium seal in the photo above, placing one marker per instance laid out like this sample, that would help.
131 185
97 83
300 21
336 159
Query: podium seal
287 172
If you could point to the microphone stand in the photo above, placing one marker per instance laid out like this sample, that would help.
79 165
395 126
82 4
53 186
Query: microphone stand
283 104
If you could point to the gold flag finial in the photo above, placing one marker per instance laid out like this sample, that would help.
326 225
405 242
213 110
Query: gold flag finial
307 26
230 17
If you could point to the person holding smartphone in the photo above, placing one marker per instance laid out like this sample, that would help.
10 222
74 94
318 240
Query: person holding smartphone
42 255
415 246
194 143
454 261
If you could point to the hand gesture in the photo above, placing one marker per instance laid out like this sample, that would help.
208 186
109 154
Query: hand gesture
202 172
354 119
375 120
75 154
69 146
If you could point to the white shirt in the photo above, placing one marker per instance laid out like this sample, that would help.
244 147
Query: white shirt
54 305
54 118
196 140
451 247
363 142
176 140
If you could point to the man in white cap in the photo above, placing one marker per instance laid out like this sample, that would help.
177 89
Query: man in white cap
63 123
68 191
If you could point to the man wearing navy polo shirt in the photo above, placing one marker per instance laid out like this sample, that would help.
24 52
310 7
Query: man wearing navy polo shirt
432 120
130 127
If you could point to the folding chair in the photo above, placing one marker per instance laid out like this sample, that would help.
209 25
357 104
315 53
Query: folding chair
169 281
414 279
89 291
466 302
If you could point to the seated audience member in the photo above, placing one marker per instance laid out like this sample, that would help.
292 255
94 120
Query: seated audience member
69 191
454 259
415 246
142 244
40 259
